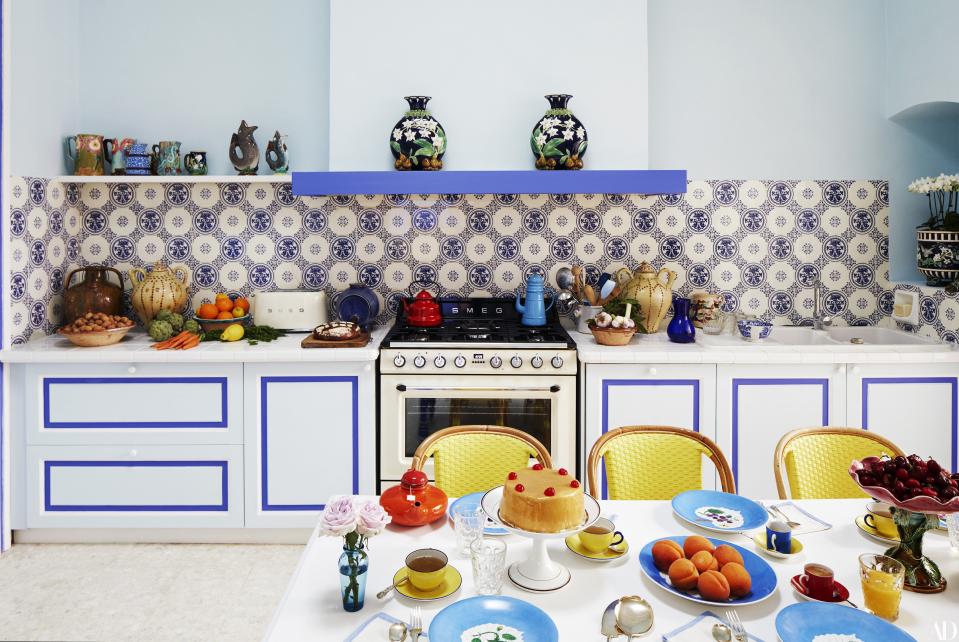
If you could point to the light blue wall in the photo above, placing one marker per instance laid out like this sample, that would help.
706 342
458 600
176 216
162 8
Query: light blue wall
190 70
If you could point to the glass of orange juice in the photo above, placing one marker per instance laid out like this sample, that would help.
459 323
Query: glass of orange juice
882 578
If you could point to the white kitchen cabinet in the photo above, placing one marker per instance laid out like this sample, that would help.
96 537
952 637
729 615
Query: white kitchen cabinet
758 404
681 395
309 434
913 405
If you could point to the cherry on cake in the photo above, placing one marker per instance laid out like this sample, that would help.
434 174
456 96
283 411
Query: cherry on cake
542 500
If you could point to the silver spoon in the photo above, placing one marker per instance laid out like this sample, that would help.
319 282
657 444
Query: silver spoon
390 588
634 616
397 632
721 633
783 517
564 278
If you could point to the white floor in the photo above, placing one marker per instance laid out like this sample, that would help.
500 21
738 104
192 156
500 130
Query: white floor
142 591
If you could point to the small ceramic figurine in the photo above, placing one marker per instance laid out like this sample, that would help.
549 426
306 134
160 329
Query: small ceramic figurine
276 154
244 153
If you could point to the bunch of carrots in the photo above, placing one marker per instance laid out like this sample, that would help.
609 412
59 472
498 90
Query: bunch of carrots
183 341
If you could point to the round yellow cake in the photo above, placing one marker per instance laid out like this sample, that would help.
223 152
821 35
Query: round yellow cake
542 500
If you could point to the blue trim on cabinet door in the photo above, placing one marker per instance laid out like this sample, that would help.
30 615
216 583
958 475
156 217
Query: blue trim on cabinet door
224 504
265 504
224 404
607 383
737 383
952 382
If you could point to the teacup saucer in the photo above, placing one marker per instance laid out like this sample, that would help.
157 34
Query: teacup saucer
612 553
760 541
841 594
450 584
872 532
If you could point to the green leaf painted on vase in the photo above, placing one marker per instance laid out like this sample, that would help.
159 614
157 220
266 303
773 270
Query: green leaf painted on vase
395 146
581 148
536 147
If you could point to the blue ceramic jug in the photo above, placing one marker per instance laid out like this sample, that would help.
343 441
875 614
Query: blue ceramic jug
534 311
680 329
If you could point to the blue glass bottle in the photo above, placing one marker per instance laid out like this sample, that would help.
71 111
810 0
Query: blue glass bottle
680 329
353 567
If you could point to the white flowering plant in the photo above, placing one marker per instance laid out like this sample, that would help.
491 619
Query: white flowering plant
942 193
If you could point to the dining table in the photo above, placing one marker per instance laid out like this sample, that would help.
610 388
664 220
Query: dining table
311 608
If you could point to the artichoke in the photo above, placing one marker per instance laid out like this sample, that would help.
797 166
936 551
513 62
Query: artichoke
175 320
160 330
163 315
191 325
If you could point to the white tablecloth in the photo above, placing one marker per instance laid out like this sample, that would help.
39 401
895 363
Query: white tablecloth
312 610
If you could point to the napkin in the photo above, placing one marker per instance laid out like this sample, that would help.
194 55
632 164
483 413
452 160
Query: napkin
375 629
700 629
808 523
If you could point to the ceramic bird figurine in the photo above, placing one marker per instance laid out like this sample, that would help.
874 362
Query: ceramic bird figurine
276 154
244 153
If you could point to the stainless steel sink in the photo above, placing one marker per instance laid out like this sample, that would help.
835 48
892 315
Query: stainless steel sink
873 336
835 339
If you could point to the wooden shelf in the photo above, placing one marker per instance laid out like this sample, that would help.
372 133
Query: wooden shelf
186 178
483 182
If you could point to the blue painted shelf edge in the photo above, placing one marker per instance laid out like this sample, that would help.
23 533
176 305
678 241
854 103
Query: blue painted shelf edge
597 181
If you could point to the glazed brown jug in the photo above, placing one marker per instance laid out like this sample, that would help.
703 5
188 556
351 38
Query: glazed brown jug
162 288
95 293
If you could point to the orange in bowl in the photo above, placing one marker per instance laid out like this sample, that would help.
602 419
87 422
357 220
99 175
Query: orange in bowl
226 314
242 303
224 304
207 311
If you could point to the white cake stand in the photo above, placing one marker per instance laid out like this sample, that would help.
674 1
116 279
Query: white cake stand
538 573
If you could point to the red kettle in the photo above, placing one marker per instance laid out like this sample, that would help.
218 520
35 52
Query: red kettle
414 502
424 311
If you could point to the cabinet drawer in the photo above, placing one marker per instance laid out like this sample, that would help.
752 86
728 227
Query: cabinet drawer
133 403
134 486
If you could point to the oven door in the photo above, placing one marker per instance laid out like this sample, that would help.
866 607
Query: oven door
415 406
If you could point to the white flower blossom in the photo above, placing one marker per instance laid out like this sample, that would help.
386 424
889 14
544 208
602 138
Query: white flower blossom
568 134
410 134
541 139
580 132
397 133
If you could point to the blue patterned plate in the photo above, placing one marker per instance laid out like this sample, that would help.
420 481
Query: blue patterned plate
718 511
475 499
762 574
504 613
803 622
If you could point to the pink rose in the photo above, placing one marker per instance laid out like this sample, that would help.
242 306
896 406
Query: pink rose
339 518
372 520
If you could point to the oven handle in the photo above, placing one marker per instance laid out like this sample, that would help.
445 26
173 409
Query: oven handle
404 388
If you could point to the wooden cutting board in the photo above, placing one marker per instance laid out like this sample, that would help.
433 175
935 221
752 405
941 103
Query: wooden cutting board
309 341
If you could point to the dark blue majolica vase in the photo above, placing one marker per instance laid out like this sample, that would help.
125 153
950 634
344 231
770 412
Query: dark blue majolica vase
680 329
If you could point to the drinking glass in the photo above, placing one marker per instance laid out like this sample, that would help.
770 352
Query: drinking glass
489 565
468 523
952 522
882 578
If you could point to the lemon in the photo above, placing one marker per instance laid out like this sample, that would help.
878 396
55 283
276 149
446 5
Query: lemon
233 332
238 312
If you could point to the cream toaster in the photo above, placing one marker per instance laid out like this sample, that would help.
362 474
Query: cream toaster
296 310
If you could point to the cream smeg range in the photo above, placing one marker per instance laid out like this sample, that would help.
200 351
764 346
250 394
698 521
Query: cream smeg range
481 366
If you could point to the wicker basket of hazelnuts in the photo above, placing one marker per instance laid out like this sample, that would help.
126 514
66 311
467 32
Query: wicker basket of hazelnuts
95 329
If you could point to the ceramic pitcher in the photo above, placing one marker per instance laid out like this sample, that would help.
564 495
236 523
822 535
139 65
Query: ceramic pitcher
651 289
167 155
115 150
85 152
162 288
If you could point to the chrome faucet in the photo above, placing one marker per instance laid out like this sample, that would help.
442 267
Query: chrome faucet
820 321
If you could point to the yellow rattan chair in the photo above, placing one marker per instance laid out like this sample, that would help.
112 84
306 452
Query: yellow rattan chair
470 459
654 462
816 461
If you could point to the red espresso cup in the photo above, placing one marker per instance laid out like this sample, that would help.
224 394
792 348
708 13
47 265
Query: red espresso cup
818 581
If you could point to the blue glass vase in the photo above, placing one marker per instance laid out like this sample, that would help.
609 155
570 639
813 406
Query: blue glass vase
680 329
353 567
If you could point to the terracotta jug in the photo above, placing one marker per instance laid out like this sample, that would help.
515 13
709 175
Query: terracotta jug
94 293
162 288
651 289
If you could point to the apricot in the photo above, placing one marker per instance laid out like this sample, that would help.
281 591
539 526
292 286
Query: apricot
665 552
696 543
726 554
704 561
683 575
740 583
713 586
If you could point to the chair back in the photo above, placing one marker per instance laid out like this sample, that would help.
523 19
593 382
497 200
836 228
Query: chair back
816 461
653 462
470 459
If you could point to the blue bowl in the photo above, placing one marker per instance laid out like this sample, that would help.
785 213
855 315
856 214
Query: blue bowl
745 326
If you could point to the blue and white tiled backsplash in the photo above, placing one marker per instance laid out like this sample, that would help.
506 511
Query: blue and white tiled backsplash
761 243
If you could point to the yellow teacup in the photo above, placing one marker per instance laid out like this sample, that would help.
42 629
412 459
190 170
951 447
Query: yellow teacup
879 518
600 536
426 568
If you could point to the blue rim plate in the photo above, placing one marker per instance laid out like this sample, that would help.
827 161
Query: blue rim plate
459 617
803 621
762 574
718 511
476 498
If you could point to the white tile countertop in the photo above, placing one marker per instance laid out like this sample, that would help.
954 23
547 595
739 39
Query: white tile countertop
135 347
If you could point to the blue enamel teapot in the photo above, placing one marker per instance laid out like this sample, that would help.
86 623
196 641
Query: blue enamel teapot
535 309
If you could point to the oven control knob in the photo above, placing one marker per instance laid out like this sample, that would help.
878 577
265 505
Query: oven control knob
495 362
439 362
459 361
536 362
516 362
399 361
557 361
419 361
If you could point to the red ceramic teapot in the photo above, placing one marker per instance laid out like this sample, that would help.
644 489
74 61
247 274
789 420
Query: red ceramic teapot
414 502
424 312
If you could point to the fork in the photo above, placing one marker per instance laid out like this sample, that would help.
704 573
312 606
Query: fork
739 631
416 623
777 512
